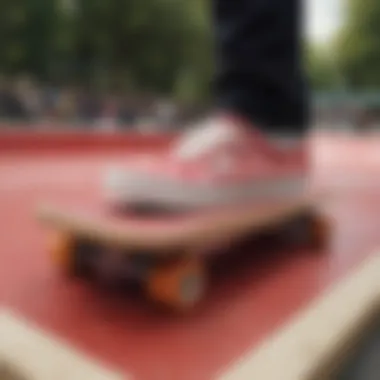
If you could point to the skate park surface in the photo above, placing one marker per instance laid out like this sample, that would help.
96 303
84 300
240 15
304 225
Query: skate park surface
119 335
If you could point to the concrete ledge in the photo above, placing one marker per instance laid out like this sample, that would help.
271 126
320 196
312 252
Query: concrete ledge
316 342
28 353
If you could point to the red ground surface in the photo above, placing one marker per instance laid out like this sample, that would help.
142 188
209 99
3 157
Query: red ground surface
257 293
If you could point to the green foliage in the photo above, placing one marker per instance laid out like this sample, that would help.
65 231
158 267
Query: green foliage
33 36
359 45
323 68
13 23
150 45
160 46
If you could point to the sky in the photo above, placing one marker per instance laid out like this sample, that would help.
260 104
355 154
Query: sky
323 19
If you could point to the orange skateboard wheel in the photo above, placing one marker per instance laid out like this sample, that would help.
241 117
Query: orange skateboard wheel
178 284
320 232
62 251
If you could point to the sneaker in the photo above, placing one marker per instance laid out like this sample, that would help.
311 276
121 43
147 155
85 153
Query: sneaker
222 162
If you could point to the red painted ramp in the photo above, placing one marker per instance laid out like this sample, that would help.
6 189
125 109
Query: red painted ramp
257 293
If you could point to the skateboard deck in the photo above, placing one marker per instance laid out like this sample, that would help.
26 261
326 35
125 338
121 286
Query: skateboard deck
166 251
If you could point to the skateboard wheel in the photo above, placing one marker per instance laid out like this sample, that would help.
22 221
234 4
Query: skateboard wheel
178 285
62 251
71 255
320 231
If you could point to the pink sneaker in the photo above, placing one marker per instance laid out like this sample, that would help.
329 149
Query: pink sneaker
222 162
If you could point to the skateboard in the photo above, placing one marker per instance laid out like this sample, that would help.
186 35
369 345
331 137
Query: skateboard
167 254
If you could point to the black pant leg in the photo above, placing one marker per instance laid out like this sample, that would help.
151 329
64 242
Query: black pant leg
259 62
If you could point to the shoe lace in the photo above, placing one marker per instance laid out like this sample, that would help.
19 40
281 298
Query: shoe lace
202 139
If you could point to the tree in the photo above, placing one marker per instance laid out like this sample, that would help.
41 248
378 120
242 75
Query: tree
32 37
358 45
160 46
153 45
13 19
323 69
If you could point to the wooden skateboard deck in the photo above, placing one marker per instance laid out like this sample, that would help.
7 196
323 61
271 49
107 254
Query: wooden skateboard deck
164 250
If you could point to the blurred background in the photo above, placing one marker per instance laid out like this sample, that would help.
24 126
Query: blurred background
146 65
115 64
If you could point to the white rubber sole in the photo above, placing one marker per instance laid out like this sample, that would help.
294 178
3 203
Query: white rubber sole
123 188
